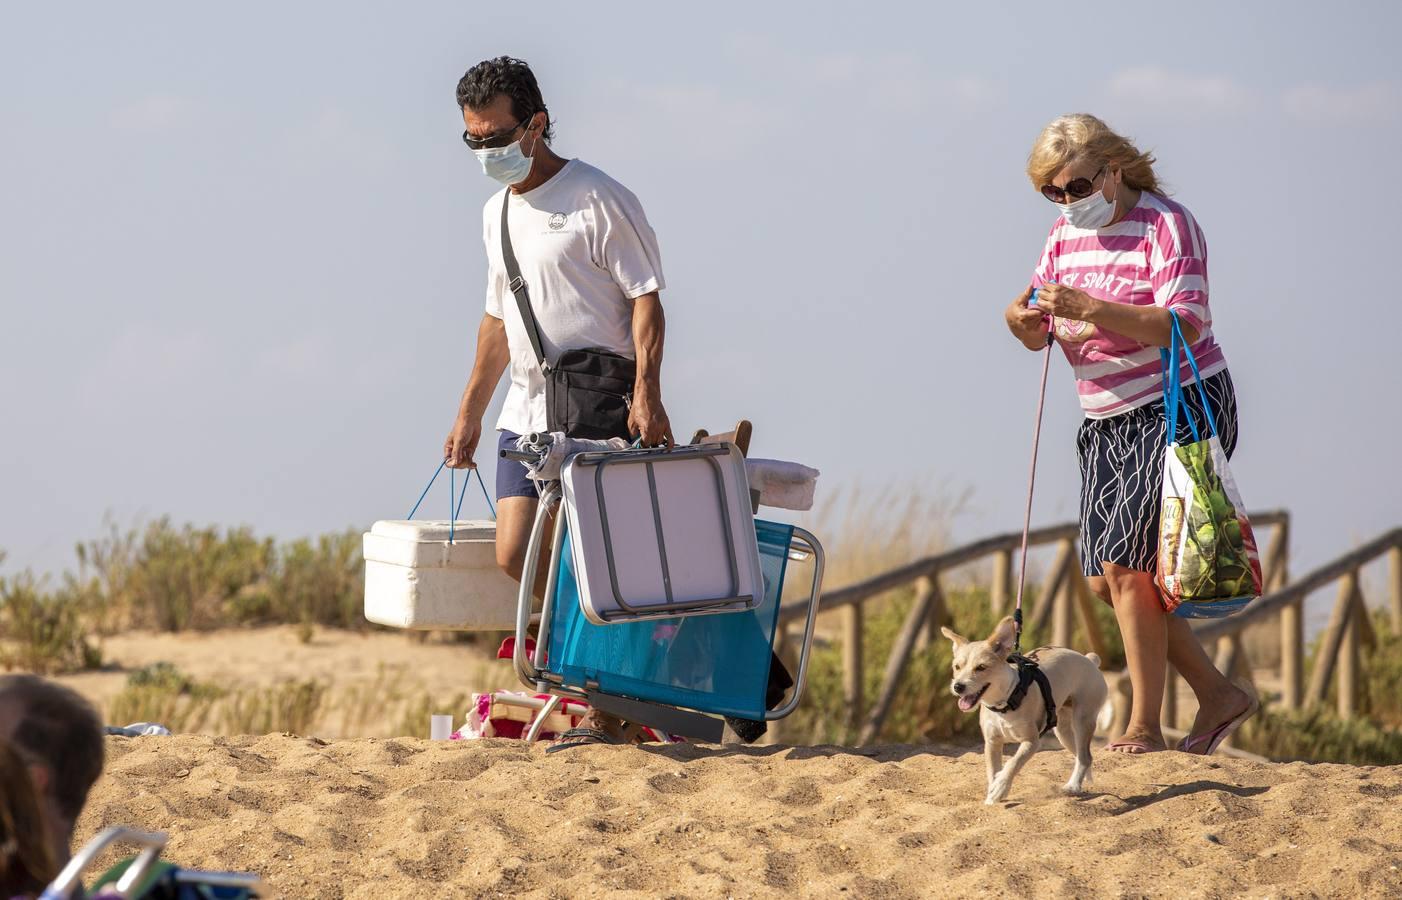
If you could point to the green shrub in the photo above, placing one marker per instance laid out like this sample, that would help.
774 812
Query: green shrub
42 632
1381 698
163 694
1317 735
321 583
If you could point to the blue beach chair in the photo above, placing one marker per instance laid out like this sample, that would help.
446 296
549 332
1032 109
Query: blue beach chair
146 876
682 674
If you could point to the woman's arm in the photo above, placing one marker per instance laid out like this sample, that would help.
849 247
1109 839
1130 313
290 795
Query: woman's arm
1027 325
1152 325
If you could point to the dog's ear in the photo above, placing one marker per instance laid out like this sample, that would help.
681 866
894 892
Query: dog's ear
1001 640
954 638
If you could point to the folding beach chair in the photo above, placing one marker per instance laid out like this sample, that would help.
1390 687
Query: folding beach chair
146 876
663 591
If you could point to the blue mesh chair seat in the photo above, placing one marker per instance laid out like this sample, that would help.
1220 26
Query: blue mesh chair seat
716 663
675 674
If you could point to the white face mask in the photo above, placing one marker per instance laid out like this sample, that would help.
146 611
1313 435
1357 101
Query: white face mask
508 165
1090 212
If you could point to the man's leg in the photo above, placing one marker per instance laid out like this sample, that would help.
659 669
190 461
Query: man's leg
515 518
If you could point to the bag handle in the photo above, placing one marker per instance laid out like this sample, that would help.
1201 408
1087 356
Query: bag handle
517 284
454 509
1173 384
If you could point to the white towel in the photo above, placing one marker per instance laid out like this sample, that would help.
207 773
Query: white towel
783 485
554 448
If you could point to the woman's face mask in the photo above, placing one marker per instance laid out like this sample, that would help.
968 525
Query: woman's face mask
508 165
1094 211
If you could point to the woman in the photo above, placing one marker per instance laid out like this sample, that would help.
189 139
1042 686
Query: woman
26 860
1120 261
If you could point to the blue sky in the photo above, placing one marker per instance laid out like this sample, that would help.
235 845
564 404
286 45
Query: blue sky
241 265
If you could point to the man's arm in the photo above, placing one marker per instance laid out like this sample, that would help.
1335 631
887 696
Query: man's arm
648 418
492 357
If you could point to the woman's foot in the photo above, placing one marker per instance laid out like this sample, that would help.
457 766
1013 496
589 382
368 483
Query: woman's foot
1219 714
1136 741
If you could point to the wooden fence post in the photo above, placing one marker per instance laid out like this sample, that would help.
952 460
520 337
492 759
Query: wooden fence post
852 663
1046 603
1333 639
1085 602
1347 686
1063 614
1292 655
1395 565
925 591
998 595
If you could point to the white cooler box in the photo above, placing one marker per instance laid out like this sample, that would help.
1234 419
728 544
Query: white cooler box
415 579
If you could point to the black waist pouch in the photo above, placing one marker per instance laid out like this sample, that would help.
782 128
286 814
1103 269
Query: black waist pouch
587 394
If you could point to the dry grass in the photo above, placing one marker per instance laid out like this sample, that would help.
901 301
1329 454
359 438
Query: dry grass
384 707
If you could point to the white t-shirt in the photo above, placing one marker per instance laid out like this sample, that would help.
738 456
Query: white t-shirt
586 251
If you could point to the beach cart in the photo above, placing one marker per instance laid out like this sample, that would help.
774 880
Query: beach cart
663 591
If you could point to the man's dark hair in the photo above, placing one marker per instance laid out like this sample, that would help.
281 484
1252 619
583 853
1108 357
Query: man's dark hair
504 75
58 729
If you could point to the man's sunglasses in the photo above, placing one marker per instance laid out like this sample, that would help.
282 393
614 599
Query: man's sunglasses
493 141
1076 189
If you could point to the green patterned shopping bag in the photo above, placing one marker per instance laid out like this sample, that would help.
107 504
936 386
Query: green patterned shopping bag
1208 564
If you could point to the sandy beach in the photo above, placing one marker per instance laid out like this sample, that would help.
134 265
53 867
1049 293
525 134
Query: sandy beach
410 818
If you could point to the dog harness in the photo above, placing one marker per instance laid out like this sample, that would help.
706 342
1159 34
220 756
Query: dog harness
1027 672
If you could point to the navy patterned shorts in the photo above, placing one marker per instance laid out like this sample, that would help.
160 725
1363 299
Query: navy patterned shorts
1121 462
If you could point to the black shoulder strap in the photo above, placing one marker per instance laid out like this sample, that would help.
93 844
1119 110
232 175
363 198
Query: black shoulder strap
518 284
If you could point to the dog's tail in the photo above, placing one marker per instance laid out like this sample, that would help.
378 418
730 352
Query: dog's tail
1093 658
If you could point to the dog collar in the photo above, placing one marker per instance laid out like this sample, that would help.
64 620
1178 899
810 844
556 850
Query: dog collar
1028 672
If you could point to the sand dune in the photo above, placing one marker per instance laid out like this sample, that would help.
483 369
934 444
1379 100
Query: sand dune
410 818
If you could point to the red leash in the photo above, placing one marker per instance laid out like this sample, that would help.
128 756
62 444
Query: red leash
1031 483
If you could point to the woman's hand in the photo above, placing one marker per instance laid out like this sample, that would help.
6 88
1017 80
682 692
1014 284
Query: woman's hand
1027 324
1067 302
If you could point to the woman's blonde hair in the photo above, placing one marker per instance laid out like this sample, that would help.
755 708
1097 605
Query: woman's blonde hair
1083 136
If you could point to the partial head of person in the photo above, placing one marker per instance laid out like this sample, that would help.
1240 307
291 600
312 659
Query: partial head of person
27 861
59 737
1093 174
507 122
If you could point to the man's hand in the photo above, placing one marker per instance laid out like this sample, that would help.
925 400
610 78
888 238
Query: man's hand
648 419
461 445
1067 302
1028 324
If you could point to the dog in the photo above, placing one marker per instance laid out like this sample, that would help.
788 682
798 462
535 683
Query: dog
984 677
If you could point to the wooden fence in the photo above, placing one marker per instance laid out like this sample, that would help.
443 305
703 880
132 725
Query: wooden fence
1065 596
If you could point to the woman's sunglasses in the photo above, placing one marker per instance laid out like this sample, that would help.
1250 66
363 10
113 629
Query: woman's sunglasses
1076 188
493 141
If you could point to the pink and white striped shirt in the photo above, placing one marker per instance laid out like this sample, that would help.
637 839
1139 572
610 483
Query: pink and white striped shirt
1155 256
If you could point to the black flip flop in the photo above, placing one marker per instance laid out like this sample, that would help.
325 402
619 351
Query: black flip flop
581 737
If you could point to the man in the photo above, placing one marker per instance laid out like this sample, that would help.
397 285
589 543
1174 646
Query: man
591 264
59 737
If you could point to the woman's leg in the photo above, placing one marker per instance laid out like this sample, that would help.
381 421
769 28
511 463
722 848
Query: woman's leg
1218 699
1144 630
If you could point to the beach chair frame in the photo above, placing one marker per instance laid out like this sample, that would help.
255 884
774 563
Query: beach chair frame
151 843
533 671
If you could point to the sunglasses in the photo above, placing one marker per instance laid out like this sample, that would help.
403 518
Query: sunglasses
493 141
1076 188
